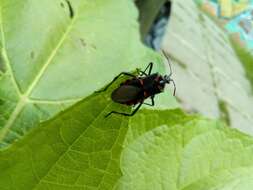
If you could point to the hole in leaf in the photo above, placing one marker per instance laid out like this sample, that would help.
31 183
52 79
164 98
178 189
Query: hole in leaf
71 10
93 46
32 55
62 5
83 42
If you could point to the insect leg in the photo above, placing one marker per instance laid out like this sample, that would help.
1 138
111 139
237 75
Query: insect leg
143 73
123 73
149 68
152 102
125 114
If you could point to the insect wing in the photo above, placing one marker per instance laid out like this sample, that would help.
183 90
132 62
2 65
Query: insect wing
125 93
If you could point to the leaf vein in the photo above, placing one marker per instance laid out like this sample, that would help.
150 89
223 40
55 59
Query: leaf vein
5 56
69 148
23 98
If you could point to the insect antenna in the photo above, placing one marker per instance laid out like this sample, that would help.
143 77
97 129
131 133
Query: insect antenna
169 79
167 57
175 88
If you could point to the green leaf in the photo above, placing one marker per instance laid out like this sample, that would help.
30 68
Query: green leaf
78 149
198 155
55 53
166 149
147 120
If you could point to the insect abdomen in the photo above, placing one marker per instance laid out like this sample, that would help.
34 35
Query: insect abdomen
126 94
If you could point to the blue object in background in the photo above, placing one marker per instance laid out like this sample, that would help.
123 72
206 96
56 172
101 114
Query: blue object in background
243 25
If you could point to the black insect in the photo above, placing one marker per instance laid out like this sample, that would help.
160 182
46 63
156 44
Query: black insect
138 88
